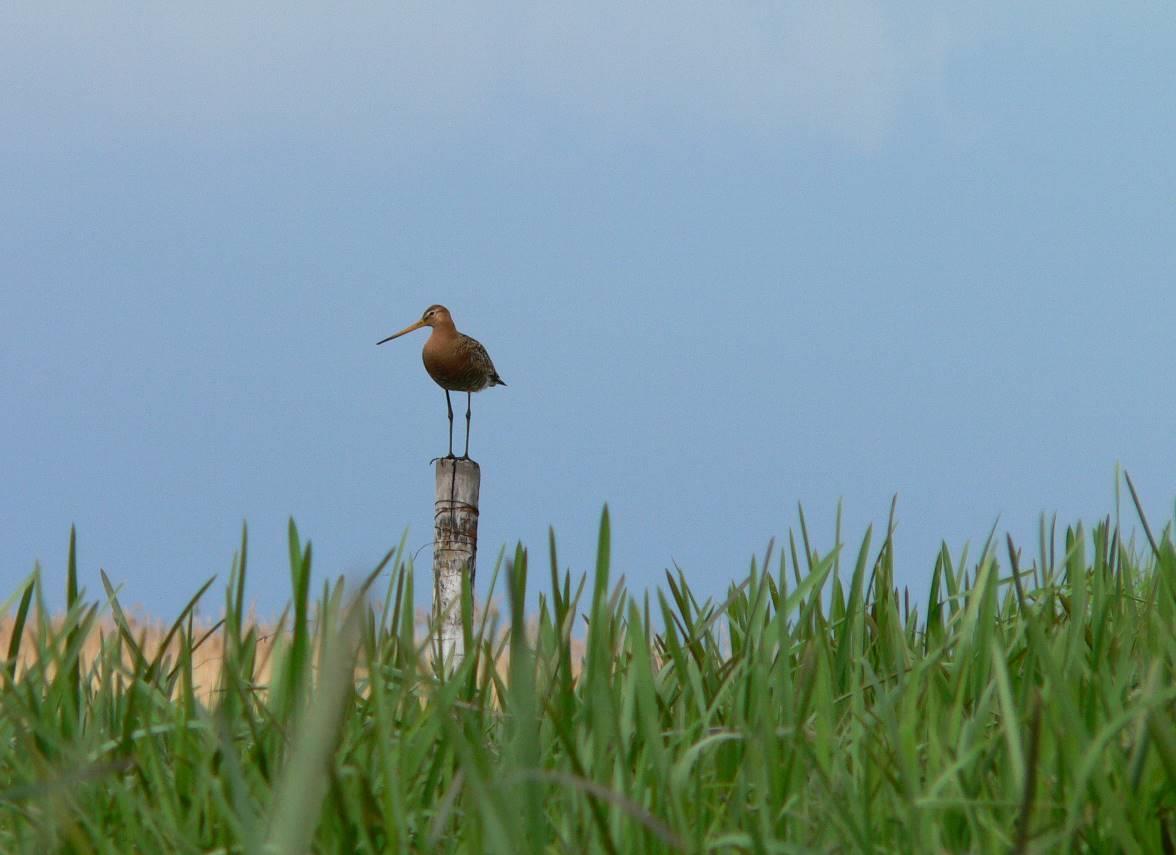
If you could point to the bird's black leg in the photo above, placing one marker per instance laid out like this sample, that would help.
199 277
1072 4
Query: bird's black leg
449 406
466 456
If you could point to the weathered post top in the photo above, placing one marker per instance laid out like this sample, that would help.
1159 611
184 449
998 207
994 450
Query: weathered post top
455 548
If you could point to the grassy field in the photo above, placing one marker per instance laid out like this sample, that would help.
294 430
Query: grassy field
1028 705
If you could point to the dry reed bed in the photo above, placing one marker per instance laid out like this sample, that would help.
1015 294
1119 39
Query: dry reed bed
208 661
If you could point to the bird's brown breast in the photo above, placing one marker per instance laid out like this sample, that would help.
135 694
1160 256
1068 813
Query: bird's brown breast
457 363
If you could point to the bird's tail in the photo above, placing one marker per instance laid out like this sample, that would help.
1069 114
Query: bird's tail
495 380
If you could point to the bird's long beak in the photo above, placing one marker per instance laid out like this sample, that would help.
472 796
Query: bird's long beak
407 329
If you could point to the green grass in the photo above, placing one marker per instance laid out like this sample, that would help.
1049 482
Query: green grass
1028 705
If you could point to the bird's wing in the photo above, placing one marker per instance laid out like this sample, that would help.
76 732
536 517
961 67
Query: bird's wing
481 366
477 353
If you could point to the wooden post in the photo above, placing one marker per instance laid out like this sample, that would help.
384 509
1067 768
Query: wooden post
455 548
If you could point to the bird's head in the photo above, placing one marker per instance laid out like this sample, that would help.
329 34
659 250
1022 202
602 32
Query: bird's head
435 315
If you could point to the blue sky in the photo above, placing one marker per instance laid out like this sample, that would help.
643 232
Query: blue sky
729 257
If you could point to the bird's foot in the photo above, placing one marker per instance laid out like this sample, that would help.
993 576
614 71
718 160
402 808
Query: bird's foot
449 456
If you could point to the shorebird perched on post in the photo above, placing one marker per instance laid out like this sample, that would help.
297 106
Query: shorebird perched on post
456 362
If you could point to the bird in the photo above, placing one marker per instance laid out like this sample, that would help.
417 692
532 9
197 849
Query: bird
456 362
